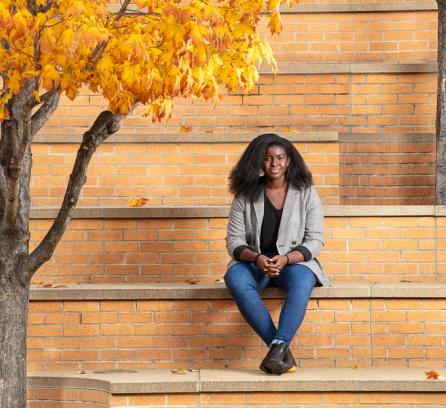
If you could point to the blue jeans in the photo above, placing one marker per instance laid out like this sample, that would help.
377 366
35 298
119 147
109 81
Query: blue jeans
245 282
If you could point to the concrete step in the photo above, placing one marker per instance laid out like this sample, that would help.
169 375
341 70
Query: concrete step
339 387
93 327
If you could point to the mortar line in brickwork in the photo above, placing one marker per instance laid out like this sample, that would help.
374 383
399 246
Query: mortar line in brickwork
370 330
352 7
199 387
436 247
350 107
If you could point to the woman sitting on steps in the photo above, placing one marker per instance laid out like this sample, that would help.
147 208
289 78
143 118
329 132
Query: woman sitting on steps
275 233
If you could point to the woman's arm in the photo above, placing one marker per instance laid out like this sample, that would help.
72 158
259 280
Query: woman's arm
236 230
313 241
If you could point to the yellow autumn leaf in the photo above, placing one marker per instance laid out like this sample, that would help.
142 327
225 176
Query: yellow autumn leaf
49 76
275 25
177 371
3 113
36 96
67 39
20 22
14 81
138 202
185 129
272 4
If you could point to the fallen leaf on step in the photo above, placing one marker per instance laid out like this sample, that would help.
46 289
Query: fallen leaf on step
51 285
192 370
293 369
137 202
192 281
81 372
178 371
185 129
432 375
218 280
34 282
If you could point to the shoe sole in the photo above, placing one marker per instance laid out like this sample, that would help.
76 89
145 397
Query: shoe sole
275 368
264 369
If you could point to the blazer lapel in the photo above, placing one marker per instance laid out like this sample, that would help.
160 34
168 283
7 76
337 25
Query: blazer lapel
288 208
259 211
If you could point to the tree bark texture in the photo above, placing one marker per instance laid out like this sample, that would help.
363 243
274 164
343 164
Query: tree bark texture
13 320
17 265
440 179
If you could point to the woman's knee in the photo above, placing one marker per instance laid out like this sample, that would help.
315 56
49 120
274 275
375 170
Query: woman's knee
301 277
235 276
240 277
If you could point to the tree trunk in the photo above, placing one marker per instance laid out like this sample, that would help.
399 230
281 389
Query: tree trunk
15 169
13 319
17 266
440 179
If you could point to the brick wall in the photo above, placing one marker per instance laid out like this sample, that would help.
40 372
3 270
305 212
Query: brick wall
404 36
60 397
358 103
372 249
285 399
210 333
387 173
167 174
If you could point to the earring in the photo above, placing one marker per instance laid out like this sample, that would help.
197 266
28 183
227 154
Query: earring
261 173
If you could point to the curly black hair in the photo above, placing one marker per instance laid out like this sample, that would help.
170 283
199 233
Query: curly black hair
245 177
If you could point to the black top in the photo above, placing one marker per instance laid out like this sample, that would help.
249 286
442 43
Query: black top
270 228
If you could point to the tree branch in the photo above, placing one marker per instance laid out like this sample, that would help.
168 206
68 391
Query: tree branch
2 192
9 152
50 102
122 11
100 48
16 144
33 9
105 125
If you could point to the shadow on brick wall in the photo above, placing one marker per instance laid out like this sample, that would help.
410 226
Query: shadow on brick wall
387 173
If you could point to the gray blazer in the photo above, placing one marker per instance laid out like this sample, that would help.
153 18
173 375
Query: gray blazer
302 223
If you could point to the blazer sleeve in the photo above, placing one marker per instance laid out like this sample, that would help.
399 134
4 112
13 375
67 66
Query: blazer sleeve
314 224
236 231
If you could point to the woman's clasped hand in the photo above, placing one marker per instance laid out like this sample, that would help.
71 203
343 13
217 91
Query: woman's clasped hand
272 266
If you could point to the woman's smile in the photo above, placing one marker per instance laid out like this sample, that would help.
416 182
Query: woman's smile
276 162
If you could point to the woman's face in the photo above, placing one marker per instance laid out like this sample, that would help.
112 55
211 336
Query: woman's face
276 162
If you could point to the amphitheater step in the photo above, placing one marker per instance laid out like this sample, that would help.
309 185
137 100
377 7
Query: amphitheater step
339 387
176 244
94 327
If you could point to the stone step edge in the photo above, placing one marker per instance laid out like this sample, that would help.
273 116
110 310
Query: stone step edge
217 290
156 381
210 211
